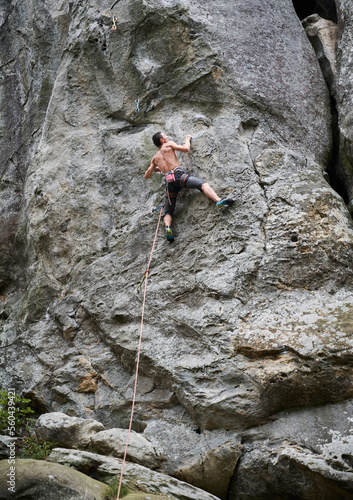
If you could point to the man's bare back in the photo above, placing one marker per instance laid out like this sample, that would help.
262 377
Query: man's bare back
166 159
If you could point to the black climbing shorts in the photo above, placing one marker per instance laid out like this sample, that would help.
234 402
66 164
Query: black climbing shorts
182 180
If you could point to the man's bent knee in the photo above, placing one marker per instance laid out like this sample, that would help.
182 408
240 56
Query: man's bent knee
168 220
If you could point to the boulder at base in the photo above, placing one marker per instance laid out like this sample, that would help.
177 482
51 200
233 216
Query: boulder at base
66 430
40 480
136 477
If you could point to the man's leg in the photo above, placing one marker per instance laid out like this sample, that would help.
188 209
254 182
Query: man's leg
209 192
168 220
168 228
196 183
169 207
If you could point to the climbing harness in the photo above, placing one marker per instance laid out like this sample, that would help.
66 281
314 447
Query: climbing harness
137 105
144 279
170 195
115 20
170 177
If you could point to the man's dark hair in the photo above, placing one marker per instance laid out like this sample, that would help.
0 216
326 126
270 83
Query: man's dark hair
157 139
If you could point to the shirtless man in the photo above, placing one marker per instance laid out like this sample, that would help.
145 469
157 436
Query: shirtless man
166 161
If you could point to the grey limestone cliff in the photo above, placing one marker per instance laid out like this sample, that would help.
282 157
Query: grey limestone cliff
248 321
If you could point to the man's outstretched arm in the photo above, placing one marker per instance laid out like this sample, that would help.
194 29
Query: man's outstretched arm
185 148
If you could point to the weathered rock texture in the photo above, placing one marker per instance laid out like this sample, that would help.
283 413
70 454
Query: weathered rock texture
344 102
322 34
65 430
249 312
315 445
136 477
40 480
210 464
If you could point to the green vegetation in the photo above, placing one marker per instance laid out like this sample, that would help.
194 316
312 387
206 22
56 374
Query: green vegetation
31 447
14 413
113 491
15 420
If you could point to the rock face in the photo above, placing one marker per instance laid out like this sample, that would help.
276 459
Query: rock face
344 102
249 312
322 34
316 445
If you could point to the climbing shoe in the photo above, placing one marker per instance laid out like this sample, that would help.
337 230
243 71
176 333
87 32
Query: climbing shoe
168 233
225 202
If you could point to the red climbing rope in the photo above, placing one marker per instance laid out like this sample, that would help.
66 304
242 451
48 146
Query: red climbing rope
138 353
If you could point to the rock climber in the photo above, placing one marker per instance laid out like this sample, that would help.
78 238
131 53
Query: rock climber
166 162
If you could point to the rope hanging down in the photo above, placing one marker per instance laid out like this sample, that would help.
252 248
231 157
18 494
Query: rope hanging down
138 353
